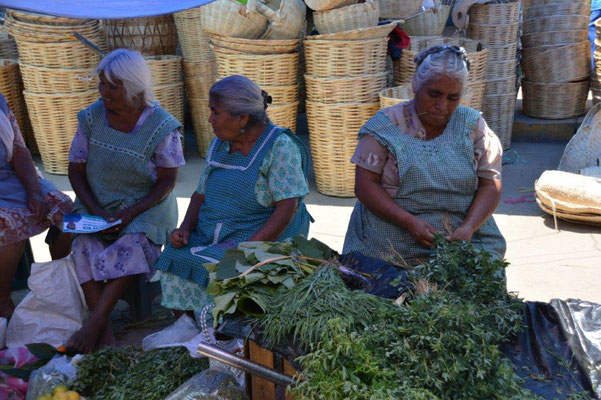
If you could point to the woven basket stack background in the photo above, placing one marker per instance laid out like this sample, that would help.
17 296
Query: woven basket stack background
399 9
496 25
156 39
404 69
430 22
345 72
555 58
596 76
57 77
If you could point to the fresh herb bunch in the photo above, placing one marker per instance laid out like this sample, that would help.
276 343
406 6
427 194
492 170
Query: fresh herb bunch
129 373
303 313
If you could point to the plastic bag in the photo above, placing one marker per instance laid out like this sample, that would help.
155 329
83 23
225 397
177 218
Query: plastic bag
53 310
175 335
59 371
210 384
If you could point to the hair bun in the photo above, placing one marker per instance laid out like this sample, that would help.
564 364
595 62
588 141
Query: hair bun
266 99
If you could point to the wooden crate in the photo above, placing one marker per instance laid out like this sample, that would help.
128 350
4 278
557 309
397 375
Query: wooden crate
262 389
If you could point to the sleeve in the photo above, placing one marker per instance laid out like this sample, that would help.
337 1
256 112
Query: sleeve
169 152
284 172
18 141
202 181
370 154
488 152
79 147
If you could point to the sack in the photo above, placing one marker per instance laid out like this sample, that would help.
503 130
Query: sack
59 371
53 310
182 333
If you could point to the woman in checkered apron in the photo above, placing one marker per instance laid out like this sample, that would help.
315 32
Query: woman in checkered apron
427 165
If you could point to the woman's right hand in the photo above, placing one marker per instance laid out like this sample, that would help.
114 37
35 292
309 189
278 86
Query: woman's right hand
421 231
179 237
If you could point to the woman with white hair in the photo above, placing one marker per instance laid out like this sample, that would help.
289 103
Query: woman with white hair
251 188
427 165
123 165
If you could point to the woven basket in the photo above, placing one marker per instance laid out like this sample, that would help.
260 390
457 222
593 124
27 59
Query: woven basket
502 53
57 55
200 68
395 95
54 121
495 14
577 8
165 69
193 40
282 94
499 111
328 58
554 38
171 98
203 131
554 100
564 64
399 9
51 33
230 18
34 18
361 89
199 86
555 23
57 80
270 69
404 68
286 19
499 70
428 23
333 132
527 4
356 16
8 46
584 148
494 35
156 35
500 86
256 46
375 32
323 5
284 115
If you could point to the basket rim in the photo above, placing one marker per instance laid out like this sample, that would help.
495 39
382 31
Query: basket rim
555 48
550 84
364 41
342 36
256 56
495 25
358 103
555 16
169 85
422 13
163 57
344 78
21 63
347 7
254 41
61 95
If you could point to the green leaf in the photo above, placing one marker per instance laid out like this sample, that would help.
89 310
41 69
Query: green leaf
227 266
43 351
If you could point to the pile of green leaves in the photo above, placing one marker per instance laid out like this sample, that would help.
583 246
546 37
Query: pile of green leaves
303 312
128 373
237 284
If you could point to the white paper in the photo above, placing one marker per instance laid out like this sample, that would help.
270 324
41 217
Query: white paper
81 223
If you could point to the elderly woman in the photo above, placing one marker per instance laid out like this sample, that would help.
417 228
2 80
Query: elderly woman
425 166
28 205
123 165
251 188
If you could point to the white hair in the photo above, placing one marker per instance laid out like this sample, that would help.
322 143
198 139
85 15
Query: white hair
440 60
129 67
239 95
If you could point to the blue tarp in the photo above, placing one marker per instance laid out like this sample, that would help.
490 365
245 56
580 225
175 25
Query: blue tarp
102 9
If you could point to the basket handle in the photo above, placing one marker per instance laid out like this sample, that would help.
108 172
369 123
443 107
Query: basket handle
266 11
372 4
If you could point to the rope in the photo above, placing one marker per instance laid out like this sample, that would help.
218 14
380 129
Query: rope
512 157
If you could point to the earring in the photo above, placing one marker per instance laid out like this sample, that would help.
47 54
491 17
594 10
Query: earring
242 130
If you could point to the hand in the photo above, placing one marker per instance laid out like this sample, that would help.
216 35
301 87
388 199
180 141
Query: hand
422 232
126 216
464 232
179 237
36 204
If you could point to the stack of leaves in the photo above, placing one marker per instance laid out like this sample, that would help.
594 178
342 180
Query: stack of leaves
128 373
247 277
302 314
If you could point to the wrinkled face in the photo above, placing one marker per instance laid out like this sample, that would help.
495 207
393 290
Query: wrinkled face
225 126
112 94
437 100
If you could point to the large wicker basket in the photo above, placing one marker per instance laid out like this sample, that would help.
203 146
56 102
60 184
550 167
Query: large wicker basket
500 86
471 97
285 21
323 5
203 131
361 89
171 98
165 70
494 35
231 18
333 132
8 46
404 68
270 69
498 111
576 8
554 38
57 55
57 80
527 4
427 23
34 18
584 148
356 16
330 58
200 68
152 36
41 33
284 115
399 9
282 94
376 32
54 121
494 14
256 46
568 63
502 53
11 88
554 100
193 40
556 23
199 86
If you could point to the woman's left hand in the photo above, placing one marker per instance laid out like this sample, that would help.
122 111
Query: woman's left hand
126 216
36 204
464 232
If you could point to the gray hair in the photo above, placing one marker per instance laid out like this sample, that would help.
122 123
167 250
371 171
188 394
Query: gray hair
445 60
239 95
129 67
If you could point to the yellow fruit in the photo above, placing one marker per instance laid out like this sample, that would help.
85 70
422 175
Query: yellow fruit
60 396
59 389
72 395
46 396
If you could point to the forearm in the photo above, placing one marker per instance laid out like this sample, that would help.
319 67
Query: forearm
82 189
25 169
158 192
484 204
277 222
191 219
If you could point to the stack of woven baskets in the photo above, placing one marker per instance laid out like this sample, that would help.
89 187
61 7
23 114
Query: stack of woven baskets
56 72
596 75
496 25
156 39
430 22
345 72
404 69
555 58
398 9
334 16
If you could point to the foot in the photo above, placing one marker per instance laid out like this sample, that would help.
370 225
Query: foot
107 338
7 307
86 339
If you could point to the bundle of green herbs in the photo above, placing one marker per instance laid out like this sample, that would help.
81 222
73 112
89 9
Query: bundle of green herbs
247 277
128 373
